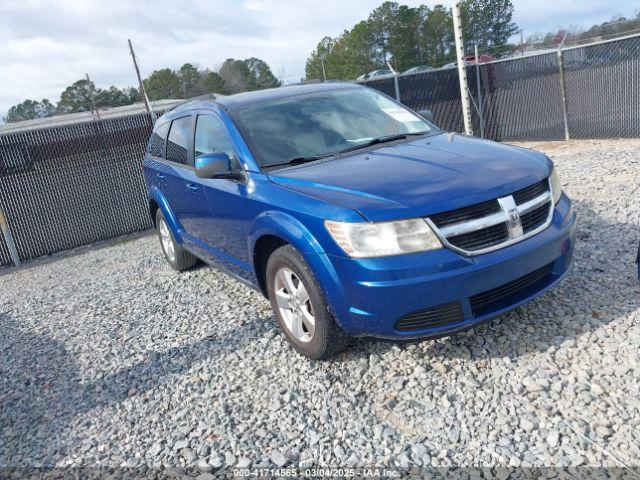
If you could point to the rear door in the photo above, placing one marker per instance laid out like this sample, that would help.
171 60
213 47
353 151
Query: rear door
154 168
178 155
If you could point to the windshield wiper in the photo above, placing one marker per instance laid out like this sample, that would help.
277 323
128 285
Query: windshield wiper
385 139
296 160
373 141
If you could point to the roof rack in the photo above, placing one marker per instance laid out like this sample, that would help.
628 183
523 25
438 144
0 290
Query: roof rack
206 96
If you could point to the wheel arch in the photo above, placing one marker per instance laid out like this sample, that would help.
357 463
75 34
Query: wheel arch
157 201
272 230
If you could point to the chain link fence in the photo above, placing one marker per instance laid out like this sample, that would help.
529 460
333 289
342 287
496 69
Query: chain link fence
603 89
521 98
73 185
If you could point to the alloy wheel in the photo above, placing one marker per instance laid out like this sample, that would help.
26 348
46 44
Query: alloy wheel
294 305
166 241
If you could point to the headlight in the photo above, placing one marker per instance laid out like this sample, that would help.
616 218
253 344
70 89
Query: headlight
362 240
556 187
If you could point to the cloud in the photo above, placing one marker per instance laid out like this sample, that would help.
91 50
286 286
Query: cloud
555 14
47 45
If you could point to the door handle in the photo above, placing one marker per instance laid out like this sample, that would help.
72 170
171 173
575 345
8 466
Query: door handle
193 187
160 176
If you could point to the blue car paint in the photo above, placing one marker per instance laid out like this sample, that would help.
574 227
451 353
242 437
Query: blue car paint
377 292
418 178
424 176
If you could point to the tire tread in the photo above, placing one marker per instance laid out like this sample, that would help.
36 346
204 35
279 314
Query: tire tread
332 339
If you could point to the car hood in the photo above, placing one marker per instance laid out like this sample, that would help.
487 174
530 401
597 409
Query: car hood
418 178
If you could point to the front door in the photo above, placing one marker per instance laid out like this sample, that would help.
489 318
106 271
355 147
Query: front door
225 216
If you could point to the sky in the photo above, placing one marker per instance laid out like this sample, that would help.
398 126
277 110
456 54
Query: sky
45 45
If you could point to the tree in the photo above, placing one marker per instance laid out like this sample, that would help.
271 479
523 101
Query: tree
315 61
186 82
260 74
162 84
30 109
437 36
189 79
211 82
358 50
405 39
235 75
410 36
77 97
115 97
487 23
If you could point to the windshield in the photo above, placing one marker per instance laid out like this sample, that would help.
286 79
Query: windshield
322 123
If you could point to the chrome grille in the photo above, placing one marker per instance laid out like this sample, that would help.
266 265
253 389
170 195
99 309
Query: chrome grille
495 224
467 213
481 238
533 219
529 193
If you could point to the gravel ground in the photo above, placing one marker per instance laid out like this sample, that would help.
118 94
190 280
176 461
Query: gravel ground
109 357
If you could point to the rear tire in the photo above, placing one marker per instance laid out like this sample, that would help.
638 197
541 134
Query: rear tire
176 256
300 307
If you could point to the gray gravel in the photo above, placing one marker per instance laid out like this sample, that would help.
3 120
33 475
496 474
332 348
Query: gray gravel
109 357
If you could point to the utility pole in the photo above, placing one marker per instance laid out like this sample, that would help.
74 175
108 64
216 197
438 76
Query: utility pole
462 68
147 104
93 98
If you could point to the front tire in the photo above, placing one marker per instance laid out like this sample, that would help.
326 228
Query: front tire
300 307
177 256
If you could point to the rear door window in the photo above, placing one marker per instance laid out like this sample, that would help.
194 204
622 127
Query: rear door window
156 142
178 141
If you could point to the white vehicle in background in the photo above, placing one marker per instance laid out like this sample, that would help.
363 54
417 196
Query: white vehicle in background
375 74
418 69
470 60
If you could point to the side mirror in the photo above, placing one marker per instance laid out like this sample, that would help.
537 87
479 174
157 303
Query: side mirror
426 114
216 165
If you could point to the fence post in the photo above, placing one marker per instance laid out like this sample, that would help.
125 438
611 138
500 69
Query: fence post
479 88
396 85
563 95
462 69
6 231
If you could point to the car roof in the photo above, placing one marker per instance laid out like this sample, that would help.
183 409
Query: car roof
238 100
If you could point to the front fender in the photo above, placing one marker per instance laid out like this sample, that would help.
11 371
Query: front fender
172 221
285 226
295 233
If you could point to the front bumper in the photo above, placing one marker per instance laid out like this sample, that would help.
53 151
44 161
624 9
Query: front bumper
369 296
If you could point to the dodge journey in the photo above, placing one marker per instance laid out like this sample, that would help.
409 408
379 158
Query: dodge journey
354 215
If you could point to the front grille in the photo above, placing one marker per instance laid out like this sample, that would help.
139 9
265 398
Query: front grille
531 192
431 317
480 239
483 302
473 212
489 225
534 218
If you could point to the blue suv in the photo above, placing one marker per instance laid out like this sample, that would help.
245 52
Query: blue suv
354 215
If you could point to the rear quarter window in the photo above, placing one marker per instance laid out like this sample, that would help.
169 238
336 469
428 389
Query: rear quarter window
156 142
